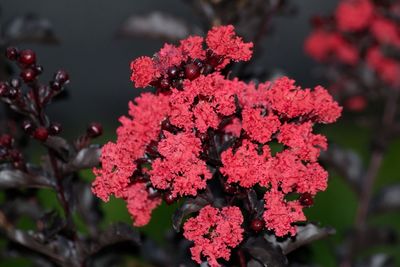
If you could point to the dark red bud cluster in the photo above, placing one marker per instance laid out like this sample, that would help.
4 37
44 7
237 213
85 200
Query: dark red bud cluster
190 70
8 153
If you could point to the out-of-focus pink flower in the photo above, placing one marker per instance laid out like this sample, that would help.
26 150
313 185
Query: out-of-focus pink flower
354 15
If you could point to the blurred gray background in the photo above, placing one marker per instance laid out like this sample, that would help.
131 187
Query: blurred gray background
98 62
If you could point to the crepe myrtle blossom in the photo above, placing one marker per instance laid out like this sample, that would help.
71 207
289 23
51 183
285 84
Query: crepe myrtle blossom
361 33
200 130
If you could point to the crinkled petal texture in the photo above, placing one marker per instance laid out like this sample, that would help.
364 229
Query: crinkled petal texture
280 214
140 204
259 126
179 170
214 233
302 141
244 166
143 71
118 159
223 41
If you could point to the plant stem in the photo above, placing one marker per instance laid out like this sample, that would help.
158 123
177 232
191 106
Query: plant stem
375 163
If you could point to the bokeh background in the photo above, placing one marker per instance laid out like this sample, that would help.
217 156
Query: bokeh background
98 64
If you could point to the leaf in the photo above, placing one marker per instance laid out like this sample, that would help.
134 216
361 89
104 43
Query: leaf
59 249
305 235
29 28
191 205
87 205
154 25
387 199
265 252
377 260
60 146
347 163
10 178
86 158
116 233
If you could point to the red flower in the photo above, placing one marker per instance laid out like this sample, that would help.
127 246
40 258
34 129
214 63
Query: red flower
291 101
180 170
143 71
223 41
300 139
280 214
140 204
214 233
260 127
354 15
244 165
388 69
322 45
386 31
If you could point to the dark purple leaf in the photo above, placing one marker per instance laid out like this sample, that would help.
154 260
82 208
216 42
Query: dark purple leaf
265 252
61 147
347 163
155 25
387 199
86 158
305 235
58 249
10 178
87 205
116 233
377 260
190 206
29 28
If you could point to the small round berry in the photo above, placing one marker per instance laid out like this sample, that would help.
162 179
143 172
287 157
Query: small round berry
94 130
55 128
169 198
164 84
27 57
28 75
306 199
3 89
13 93
61 76
192 71
28 127
6 140
12 53
257 225
230 188
55 86
173 72
41 134
214 60
15 155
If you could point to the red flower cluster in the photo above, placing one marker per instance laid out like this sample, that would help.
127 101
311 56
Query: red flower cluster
359 26
207 127
214 232
174 62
